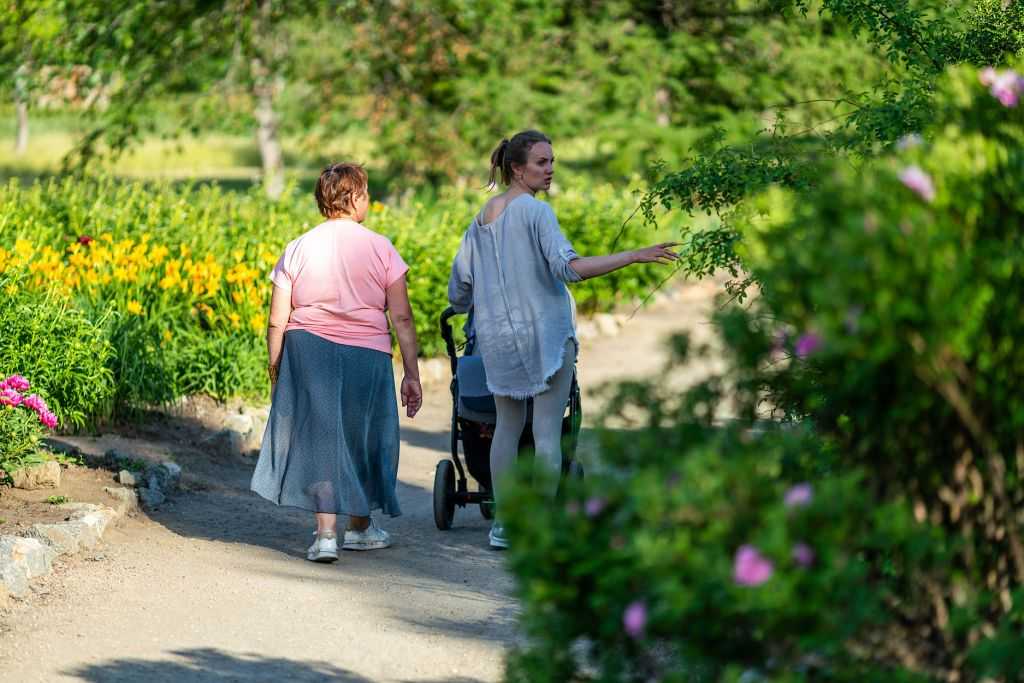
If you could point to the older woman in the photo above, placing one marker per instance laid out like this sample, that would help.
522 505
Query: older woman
511 270
331 445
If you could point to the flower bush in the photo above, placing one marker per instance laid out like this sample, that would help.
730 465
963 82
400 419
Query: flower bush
24 417
60 347
860 516
179 278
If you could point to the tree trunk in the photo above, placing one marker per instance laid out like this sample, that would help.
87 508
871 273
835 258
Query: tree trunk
266 84
21 109
270 145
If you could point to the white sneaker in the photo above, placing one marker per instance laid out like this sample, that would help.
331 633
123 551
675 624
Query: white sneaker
324 548
497 536
370 538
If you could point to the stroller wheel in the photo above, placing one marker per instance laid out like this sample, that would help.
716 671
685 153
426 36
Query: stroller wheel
444 495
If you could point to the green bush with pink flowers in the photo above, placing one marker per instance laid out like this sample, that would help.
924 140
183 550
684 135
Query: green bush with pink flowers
24 417
846 502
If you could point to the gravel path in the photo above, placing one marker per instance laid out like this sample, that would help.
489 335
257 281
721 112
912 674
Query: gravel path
214 587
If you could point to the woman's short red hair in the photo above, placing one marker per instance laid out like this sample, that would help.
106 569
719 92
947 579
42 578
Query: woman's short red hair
338 187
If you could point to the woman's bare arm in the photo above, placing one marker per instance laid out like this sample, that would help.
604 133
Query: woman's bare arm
400 311
280 312
593 266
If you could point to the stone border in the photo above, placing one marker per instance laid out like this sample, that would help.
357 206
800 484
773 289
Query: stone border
23 558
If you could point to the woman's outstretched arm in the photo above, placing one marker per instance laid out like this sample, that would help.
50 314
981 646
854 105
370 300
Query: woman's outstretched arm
593 266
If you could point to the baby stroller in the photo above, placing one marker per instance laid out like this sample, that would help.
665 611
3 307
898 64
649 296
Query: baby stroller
473 419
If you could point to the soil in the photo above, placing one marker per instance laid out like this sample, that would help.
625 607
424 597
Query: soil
214 586
20 509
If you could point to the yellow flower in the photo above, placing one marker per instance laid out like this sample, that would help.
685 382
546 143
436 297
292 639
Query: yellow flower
237 297
257 322
168 336
234 319
11 289
134 307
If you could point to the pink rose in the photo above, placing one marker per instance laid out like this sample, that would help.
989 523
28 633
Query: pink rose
799 495
803 555
634 619
595 506
807 344
750 567
919 182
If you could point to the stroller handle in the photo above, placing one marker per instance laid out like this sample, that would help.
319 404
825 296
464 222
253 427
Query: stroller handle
449 339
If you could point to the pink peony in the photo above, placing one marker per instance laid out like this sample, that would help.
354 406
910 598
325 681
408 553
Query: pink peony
750 567
634 619
987 76
48 419
36 403
803 555
807 344
17 382
10 397
595 506
799 495
919 182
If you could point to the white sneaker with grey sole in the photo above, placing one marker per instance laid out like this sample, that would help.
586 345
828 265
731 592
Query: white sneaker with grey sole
324 548
370 538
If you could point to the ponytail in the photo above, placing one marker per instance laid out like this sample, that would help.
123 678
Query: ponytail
498 164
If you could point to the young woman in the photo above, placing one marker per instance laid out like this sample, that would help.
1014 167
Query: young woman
511 269
331 444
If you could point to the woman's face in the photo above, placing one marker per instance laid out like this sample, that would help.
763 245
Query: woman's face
539 169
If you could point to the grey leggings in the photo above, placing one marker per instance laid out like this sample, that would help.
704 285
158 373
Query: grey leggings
548 410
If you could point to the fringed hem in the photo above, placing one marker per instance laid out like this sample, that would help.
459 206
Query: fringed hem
541 387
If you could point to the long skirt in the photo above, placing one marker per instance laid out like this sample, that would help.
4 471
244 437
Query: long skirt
331 443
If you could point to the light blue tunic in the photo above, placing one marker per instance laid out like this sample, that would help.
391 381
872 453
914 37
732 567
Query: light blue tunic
512 274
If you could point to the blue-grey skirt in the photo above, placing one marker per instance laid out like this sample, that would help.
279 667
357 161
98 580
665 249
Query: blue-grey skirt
331 443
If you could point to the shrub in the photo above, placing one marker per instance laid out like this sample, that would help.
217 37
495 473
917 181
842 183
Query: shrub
873 531
64 352
178 277
23 417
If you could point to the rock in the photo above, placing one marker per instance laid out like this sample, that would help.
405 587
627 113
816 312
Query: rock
126 478
42 476
240 422
22 559
151 498
5 598
127 499
165 477
60 537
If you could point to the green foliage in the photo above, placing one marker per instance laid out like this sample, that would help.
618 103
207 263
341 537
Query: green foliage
879 365
20 436
63 352
176 277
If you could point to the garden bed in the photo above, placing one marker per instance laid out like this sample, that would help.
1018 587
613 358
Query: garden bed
20 510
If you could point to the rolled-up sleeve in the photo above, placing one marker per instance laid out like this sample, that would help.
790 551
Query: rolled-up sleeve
460 283
557 250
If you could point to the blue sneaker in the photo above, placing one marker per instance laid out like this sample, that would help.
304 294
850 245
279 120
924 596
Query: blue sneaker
497 536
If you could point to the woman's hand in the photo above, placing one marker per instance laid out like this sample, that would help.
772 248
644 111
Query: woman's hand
659 253
412 395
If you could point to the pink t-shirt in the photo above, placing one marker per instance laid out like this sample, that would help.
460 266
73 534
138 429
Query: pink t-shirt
337 274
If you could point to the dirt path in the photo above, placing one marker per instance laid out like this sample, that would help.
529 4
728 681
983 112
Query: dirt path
214 587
